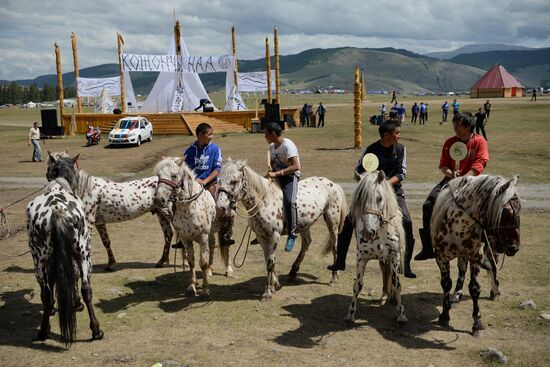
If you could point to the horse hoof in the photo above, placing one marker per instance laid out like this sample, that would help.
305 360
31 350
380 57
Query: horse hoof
97 336
160 264
443 322
477 333
40 336
205 294
401 324
277 286
186 267
494 296
191 292
383 301
209 273
229 274
333 283
266 298
109 268
349 322
456 298
79 307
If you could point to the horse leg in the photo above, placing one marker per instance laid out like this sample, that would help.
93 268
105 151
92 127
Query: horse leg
46 295
78 306
306 241
168 234
394 264
204 263
462 267
86 291
495 292
475 290
272 281
211 248
191 289
385 279
357 286
446 284
332 227
102 230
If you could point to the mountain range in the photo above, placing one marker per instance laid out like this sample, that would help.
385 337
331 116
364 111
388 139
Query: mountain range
384 69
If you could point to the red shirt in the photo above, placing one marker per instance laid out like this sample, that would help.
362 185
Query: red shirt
476 159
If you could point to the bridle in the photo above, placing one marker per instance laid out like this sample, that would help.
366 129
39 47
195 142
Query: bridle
232 196
380 215
179 185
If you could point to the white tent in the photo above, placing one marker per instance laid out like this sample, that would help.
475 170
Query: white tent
187 88
104 103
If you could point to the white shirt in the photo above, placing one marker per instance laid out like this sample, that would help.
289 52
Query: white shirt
34 134
281 155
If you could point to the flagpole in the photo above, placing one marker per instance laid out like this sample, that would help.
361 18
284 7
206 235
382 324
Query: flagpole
357 108
363 86
59 81
76 73
277 80
236 68
268 69
122 97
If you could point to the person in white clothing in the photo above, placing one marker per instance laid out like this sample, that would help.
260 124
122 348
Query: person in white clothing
34 139
285 168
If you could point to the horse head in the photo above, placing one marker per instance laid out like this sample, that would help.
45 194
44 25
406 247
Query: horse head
169 173
506 227
232 184
51 158
63 167
368 208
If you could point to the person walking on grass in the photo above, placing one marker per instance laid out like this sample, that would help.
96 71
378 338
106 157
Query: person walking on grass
414 113
392 157
487 109
444 112
34 139
480 122
285 169
321 112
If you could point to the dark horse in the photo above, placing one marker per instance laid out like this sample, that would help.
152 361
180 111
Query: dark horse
467 211
59 239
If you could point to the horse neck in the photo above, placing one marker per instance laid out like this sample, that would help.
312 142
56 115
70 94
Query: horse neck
256 188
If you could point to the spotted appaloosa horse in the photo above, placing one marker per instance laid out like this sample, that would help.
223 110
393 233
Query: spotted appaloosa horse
263 199
59 239
465 209
194 216
106 201
379 231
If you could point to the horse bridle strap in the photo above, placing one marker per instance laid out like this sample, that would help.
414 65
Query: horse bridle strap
250 212
177 185
461 207
379 214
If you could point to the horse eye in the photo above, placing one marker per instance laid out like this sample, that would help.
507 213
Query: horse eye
379 200
174 177
233 182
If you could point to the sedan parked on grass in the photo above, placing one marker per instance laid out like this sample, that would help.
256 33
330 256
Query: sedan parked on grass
131 130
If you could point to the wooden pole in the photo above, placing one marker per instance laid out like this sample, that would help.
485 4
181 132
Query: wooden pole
236 68
122 97
363 87
59 81
76 75
277 81
357 109
268 69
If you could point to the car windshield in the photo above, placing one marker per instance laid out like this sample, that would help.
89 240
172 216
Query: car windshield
127 124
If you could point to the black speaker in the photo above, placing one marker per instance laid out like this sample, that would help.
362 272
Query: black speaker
207 109
49 118
117 111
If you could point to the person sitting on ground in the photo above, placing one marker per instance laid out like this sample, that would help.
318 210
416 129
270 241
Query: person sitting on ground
473 165
285 169
202 104
205 159
392 160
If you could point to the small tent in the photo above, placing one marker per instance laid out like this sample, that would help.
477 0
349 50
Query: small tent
497 83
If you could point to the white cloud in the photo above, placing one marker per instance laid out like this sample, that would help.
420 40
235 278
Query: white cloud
29 27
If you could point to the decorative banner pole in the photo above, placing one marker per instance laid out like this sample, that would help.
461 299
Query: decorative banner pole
357 108
268 69
363 86
75 63
277 80
122 97
236 69
59 82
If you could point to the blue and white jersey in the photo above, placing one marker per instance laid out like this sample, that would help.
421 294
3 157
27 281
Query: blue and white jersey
203 161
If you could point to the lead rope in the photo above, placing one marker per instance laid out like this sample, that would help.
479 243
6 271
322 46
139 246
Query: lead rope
491 251
5 222
256 208
240 245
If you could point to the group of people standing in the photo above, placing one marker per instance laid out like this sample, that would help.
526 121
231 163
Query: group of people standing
307 116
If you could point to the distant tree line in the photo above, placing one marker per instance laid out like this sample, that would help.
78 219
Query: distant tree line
14 93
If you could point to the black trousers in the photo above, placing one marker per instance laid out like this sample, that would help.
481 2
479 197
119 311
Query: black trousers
428 207
289 185
321 122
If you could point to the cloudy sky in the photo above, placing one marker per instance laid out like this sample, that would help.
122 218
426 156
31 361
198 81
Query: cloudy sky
29 28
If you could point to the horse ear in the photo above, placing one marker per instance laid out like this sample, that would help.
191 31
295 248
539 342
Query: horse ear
52 159
506 186
180 161
75 159
67 150
381 176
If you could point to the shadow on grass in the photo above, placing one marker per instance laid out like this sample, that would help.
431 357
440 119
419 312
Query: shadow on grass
325 316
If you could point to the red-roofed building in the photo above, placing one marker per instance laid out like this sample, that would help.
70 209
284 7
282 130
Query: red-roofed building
497 82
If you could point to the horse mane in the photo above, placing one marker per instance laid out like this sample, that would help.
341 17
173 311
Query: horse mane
83 183
363 198
174 164
490 193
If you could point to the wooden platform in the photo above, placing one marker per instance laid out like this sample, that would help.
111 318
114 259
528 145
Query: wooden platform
174 123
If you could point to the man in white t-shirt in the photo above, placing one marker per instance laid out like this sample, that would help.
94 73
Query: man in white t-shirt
34 139
285 168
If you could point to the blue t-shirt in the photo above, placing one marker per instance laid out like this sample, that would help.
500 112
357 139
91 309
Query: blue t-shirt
204 161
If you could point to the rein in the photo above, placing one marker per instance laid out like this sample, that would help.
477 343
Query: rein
178 185
250 213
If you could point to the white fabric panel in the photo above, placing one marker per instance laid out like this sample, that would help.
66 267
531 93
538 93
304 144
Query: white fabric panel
255 81
173 63
104 103
129 95
92 87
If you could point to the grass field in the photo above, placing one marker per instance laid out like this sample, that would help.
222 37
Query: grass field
148 319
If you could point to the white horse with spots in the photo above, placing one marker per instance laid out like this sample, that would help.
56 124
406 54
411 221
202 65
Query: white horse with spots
106 201
194 216
378 227
263 199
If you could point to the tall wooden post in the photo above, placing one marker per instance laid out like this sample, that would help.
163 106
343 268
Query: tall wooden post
59 82
268 69
357 109
363 87
75 63
277 81
236 68
122 97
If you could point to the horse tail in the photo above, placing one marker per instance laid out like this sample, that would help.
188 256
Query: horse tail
64 273
344 209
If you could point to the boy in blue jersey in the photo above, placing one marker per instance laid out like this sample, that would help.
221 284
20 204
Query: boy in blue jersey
205 159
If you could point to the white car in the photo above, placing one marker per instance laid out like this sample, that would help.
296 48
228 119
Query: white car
131 130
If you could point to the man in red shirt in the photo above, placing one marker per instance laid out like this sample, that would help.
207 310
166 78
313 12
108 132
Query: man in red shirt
472 165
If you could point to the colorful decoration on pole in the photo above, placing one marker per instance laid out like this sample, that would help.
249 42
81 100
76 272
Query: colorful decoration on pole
458 152
370 162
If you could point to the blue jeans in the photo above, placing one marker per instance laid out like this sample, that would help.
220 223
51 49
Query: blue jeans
37 151
289 185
